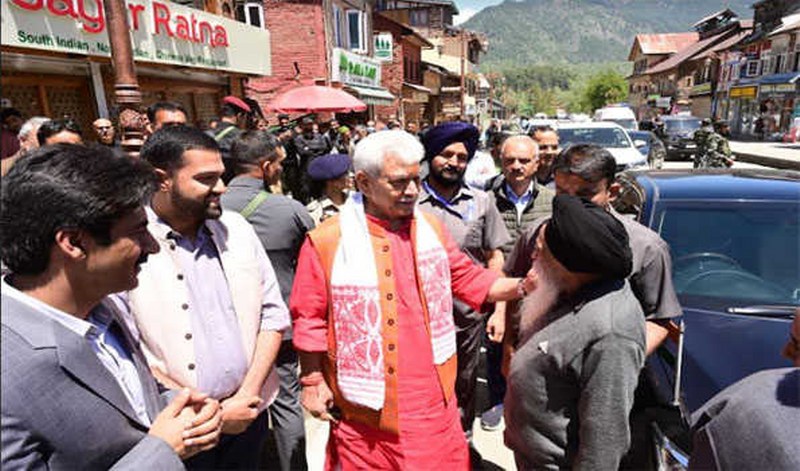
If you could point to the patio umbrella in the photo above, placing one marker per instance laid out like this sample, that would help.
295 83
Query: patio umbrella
316 98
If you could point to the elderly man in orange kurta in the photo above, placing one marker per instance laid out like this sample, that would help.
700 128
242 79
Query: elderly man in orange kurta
372 307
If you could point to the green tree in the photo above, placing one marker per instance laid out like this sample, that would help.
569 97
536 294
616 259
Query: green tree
606 87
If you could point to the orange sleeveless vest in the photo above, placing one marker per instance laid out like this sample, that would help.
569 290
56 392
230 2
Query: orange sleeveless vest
326 240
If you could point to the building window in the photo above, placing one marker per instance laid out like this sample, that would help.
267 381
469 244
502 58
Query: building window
418 17
796 62
338 38
752 68
356 30
254 14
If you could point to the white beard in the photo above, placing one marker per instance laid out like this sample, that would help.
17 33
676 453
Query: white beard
536 305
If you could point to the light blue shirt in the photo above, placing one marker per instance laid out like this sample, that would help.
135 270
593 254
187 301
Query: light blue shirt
219 353
520 202
105 343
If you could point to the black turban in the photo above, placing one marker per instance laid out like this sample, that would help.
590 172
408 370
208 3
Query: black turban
437 138
585 238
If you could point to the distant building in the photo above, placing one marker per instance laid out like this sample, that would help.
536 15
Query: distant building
648 50
685 81
455 52
402 69
763 72
323 42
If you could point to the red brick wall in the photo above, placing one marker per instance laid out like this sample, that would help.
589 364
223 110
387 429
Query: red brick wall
297 34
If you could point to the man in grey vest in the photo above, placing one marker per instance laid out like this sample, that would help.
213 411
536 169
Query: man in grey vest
520 200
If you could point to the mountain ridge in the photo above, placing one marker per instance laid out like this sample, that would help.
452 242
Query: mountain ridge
583 31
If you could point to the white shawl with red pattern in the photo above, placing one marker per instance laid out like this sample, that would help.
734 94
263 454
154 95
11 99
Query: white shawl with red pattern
355 299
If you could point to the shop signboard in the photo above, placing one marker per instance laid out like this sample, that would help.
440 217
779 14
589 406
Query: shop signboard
701 89
743 92
383 47
353 69
161 31
778 89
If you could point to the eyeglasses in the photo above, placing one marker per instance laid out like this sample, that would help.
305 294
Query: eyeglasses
400 184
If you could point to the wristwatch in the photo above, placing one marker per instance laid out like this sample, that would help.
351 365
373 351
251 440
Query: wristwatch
521 291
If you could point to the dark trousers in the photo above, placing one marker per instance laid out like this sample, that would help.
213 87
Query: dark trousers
494 363
241 451
287 416
468 342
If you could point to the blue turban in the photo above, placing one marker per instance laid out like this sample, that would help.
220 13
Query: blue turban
441 136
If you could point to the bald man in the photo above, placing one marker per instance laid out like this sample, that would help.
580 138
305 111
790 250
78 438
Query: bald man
520 200
104 131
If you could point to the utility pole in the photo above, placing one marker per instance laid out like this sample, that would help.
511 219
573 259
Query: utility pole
127 96
463 74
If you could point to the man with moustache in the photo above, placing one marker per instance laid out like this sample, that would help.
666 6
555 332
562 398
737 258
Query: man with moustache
520 201
478 229
281 223
208 306
582 343
76 391
372 307
588 171
547 140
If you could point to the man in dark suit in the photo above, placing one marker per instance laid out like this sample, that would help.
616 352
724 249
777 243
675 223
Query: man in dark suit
76 390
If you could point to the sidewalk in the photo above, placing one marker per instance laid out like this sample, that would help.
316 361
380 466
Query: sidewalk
769 154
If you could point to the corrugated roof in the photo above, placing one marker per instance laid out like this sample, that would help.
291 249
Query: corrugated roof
788 23
684 54
714 15
662 43
724 45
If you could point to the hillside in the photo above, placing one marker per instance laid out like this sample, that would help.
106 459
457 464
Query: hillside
581 31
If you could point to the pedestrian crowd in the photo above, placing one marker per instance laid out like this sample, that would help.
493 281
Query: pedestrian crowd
175 309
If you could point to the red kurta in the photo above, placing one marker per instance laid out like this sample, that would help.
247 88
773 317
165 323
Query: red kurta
430 431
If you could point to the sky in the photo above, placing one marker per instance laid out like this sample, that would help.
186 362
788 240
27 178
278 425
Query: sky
467 8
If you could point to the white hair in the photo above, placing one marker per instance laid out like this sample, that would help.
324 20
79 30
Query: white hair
371 152
31 125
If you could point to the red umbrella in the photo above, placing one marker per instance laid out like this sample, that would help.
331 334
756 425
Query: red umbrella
316 98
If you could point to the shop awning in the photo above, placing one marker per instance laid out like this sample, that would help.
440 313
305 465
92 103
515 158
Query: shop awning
373 96
788 77
416 87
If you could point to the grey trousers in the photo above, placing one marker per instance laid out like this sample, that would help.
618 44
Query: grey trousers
286 414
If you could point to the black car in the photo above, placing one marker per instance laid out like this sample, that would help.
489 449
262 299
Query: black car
677 134
650 145
735 243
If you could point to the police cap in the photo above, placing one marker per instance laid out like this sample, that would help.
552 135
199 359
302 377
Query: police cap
329 167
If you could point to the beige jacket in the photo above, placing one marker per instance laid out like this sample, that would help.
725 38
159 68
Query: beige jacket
164 326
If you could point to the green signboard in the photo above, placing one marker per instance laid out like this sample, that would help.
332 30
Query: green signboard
383 47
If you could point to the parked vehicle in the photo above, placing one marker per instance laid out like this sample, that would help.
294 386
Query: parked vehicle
605 134
619 114
677 134
651 146
733 235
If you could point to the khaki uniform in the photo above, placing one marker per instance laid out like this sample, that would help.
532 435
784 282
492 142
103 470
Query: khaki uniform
322 209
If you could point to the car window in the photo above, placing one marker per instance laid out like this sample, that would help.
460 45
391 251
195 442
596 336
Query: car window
682 124
603 137
735 252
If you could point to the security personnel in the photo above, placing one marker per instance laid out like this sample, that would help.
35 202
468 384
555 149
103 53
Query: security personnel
713 150
330 185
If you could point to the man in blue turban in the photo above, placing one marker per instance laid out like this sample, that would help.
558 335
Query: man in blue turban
478 228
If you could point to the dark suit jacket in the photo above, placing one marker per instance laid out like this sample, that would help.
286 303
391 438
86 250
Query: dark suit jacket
62 409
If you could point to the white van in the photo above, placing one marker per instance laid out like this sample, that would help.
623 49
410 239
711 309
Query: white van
621 115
